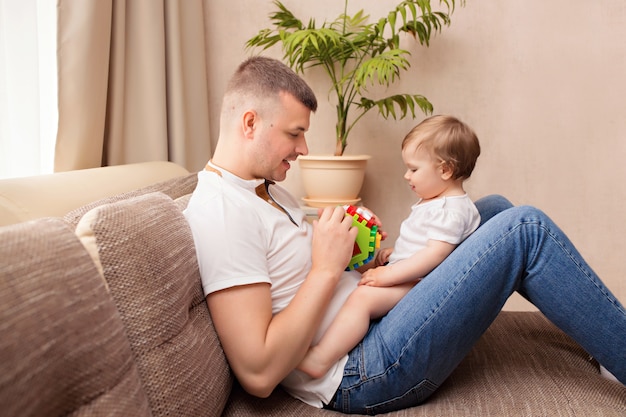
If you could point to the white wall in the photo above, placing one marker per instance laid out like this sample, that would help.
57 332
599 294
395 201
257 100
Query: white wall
543 85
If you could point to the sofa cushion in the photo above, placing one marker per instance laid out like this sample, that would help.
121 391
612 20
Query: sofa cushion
63 347
522 366
149 262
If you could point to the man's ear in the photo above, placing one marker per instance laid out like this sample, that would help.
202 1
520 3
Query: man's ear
447 170
248 123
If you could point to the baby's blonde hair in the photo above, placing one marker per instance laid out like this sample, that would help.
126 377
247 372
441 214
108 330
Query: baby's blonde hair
448 139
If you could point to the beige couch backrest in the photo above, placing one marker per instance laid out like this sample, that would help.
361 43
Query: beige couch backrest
176 188
53 195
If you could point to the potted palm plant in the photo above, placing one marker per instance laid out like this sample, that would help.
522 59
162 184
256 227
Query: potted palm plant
355 54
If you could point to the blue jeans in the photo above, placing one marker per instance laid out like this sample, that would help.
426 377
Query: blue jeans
407 354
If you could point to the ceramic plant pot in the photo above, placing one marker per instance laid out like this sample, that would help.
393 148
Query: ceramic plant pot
332 180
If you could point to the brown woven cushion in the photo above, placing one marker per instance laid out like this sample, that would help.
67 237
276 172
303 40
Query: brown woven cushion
174 188
63 348
148 259
522 366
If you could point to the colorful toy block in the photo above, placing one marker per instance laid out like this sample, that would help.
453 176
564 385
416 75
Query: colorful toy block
367 240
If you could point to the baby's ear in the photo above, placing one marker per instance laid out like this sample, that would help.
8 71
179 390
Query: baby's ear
447 170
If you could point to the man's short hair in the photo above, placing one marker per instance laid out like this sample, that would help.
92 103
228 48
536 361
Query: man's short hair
264 77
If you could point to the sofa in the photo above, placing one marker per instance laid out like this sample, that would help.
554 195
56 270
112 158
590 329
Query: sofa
102 313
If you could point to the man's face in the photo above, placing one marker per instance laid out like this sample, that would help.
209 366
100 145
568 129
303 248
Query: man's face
281 138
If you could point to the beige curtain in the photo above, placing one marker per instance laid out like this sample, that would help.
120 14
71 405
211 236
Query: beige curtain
132 83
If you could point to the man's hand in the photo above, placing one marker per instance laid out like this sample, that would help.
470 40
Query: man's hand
333 240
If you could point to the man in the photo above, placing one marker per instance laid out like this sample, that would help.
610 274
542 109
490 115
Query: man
266 112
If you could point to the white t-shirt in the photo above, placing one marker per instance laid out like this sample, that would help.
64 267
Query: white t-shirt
447 219
241 239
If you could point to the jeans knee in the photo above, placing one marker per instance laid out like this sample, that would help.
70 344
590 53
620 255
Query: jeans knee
530 213
491 205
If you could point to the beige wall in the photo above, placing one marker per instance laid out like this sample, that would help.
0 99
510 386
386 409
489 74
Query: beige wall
543 85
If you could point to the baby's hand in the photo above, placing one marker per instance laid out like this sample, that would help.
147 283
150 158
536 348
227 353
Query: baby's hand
373 277
382 257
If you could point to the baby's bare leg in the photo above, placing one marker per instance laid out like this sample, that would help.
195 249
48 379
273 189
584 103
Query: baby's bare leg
350 325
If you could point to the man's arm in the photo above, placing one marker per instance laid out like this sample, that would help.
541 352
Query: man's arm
262 348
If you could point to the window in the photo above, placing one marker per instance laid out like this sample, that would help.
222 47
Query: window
28 87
